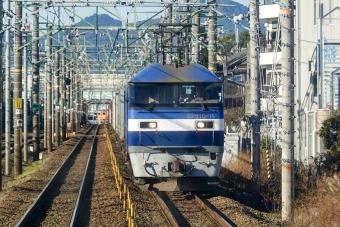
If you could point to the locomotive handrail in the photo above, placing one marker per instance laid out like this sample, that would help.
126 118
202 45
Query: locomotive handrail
154 175
162 147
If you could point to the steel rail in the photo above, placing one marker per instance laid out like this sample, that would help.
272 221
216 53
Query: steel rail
165 210
217 215
40 199
76 211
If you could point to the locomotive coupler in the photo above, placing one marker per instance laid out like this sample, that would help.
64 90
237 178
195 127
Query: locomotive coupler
177 166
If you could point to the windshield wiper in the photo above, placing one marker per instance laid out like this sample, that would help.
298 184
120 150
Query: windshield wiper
153 103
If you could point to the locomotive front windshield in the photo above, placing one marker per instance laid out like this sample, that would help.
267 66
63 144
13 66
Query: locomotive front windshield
150 96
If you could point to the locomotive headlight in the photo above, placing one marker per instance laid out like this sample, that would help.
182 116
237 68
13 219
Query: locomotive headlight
200 124
151 125
204 124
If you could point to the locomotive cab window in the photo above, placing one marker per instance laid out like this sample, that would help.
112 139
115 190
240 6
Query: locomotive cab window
193 95
155 96
151 95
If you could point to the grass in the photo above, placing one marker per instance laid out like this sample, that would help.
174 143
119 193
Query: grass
27 171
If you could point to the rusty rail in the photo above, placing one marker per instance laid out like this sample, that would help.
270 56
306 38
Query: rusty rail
217 215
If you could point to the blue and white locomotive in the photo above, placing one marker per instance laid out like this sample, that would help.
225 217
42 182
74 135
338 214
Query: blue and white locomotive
174 130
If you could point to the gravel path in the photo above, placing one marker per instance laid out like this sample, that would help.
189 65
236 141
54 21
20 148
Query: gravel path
102 197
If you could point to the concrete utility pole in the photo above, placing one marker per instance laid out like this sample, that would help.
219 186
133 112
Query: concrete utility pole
25 99
74 98
255 88
49 90
77 94
167 58
71 98
35 84
56 99
212 38
45 103
81 109
287 20
68 100
17 110
187 42
1 89
195 31
8 92
63 94
52 88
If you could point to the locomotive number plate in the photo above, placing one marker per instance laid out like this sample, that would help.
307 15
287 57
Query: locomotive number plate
201 116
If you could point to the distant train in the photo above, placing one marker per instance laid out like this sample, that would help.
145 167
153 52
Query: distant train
170 119
102 116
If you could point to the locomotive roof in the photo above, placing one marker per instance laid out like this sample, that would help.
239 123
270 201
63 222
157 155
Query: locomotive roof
158 73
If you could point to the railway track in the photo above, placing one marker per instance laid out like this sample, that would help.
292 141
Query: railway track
188 209
59 203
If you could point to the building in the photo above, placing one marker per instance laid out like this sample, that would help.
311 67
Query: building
316 93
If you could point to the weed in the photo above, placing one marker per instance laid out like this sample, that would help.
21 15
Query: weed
316 189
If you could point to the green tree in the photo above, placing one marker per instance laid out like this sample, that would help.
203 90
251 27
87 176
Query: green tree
330 134
244 39
228 41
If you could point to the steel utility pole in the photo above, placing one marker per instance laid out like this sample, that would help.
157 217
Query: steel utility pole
17 110
1 89
212 38
49 90
287 72
8 92
255 89
35 84
56 99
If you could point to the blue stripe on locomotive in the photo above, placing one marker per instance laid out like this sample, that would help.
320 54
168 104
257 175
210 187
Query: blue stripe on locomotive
175 114
175 138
